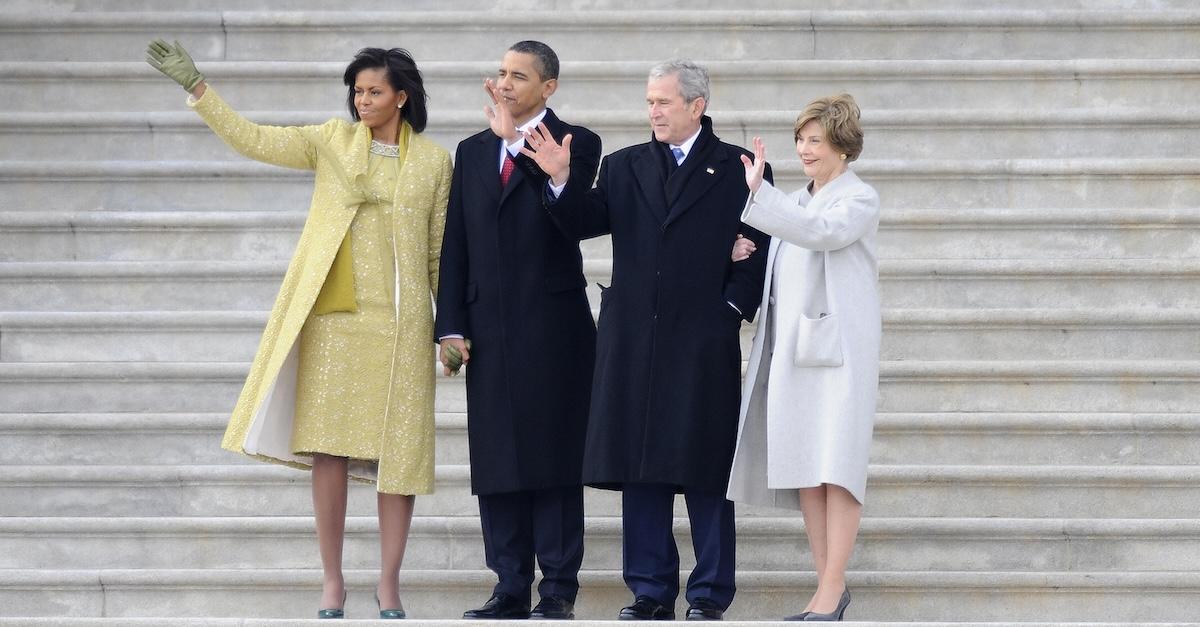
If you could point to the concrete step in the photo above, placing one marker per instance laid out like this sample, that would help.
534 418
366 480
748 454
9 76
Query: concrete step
904 234
974 491
155 439
904 283
909 334
1142 386
454 543
620 35
148 236
1045 438
1010 596
417 622
620 85
500 8
1030 184
891 133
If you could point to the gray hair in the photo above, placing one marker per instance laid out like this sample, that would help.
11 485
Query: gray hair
693 78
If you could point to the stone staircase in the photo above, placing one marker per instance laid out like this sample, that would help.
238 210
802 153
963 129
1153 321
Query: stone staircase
1037 452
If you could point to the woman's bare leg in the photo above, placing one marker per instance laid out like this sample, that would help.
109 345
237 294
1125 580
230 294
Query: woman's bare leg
843 513
812 505
395 519
329 509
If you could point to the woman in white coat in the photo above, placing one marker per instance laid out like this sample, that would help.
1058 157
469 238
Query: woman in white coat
808 405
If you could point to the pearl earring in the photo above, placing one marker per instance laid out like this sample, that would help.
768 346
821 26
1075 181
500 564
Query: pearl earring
843 156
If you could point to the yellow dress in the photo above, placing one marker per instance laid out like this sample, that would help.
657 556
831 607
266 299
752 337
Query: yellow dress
390 431
344 373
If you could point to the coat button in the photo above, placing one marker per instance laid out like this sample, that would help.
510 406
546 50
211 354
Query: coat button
771 300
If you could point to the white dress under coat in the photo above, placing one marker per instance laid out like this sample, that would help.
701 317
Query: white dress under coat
808 401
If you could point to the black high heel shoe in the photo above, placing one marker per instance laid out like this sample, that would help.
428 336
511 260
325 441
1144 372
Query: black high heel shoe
337 612
836 614
388 614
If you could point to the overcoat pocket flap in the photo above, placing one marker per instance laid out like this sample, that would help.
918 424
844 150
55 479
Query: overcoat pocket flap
818 342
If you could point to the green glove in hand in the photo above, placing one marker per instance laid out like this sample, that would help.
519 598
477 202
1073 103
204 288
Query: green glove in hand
174 62
455 357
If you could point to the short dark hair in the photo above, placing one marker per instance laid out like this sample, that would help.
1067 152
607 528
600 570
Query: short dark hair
547 61
402 74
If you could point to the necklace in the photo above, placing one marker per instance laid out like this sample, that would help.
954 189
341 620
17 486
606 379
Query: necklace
384 150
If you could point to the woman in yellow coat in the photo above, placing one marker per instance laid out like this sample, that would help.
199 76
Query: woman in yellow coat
343 378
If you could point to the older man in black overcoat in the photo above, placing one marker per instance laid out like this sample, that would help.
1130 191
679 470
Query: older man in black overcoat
666 390
512 282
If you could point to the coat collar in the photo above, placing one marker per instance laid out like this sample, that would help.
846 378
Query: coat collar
837 186
704 166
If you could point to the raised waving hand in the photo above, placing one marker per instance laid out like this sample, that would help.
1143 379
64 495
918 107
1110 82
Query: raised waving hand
755 168
553 158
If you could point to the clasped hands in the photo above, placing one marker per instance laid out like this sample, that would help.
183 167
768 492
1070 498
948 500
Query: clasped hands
455 352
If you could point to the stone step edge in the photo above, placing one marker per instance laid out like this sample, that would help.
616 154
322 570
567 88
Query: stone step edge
1001 529
224 271
1178 476
124 170
219 579
448 622
607 18
288 220
635 71
1005 423
935 318
1082 117
419 622
1044 370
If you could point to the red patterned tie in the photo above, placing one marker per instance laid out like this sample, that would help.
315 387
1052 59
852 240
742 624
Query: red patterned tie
506 170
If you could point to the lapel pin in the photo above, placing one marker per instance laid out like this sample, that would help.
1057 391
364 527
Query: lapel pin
711 171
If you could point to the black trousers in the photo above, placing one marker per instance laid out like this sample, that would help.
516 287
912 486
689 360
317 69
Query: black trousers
546 524
651 556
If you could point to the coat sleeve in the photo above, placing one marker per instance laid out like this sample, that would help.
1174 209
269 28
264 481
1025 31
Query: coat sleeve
452 275
286 146
744 285
837 225
581 212
437 224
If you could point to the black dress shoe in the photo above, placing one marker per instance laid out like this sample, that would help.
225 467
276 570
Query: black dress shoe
705 609
500 607
553 608
646 608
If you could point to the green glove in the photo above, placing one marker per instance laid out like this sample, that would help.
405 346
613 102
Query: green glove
455 357
174 62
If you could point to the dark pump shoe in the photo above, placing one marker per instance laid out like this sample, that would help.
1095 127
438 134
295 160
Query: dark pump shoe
553 608
705 609
500 607
390 614
836 614
335 612
646 608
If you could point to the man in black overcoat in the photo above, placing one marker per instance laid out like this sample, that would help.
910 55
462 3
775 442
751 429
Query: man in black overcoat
512 283
666 390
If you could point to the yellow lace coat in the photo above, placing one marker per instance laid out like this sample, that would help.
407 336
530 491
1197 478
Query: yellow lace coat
338 151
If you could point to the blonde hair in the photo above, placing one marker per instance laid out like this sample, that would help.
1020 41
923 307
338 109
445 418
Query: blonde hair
838 116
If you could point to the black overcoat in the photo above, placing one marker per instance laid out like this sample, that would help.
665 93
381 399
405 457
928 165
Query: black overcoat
668 362
512 281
